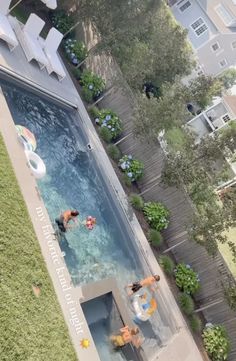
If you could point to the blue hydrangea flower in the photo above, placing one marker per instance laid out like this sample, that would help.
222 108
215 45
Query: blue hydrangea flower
109 126
123 165
112 129
188 266
130 174
130 156
108 117
96 120
90 86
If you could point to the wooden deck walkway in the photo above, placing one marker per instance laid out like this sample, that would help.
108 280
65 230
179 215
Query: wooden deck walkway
212 272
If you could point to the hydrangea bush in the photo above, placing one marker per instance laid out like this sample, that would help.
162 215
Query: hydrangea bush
216 342
75 51
157 215
133 168
107 118
186 279
93 85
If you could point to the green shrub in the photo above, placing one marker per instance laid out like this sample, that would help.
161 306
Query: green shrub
94 112
155 237
186 279
61 21
127 181
195 323
156 215
107 118
133 168
186 303
216 342
75 50
92 83
105 135
136 201
77 73
167 264
114 152
87 95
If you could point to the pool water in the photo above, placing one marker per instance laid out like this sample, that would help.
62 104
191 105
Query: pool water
74 180
104 320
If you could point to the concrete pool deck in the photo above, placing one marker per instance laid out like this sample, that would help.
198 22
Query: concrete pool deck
181 347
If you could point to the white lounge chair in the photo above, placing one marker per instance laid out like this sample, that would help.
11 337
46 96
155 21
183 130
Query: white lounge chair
28 36
6 32
50 46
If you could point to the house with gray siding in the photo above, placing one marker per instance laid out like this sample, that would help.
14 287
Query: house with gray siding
211 26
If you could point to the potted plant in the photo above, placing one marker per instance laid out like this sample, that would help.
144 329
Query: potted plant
157 215
216 342
93 85
132 168
186 278
75 50
110 120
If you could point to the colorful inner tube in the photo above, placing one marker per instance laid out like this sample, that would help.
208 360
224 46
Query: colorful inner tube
142 307
26 137
36 164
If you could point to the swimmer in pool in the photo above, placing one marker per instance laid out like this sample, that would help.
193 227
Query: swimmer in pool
63 220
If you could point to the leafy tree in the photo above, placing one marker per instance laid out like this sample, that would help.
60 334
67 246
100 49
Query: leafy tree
171 51
203 89
228 78
193 166
153 115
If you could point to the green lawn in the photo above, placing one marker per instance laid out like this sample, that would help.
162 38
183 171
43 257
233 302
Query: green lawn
226 253
31 328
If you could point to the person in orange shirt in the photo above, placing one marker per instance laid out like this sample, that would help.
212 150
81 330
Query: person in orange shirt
146 282
127 335
65 218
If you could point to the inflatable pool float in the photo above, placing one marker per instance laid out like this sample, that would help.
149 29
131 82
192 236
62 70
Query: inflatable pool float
36 164
143 309
26 137
90 222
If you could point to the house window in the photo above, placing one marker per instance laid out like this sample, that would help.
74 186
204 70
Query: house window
199 27
185 6
234 44
226 118
197 23
225 16
223 63
215 47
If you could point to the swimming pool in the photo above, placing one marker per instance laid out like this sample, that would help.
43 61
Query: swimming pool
75 180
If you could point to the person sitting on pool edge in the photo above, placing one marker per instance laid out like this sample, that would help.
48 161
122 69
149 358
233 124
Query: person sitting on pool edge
127 335
65 218
146 282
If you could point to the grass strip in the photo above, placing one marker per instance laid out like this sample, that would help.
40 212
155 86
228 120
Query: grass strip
31 328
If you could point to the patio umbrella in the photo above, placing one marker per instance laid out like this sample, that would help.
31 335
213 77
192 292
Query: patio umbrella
51 4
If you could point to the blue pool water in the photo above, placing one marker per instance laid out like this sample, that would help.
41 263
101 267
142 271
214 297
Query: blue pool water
104 320
74 180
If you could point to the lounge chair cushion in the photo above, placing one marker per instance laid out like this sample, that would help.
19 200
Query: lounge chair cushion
6 32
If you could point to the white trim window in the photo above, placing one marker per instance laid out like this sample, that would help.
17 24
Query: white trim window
199 27
233 44
215 46
223 63
224 14
184 5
